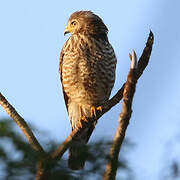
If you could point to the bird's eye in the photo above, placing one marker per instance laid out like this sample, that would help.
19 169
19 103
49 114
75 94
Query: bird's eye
73 23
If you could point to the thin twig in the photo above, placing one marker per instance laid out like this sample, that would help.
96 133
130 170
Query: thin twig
125 115
22 124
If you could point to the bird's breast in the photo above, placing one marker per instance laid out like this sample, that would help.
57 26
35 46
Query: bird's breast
88 73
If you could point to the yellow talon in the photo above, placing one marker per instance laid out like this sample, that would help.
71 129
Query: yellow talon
94 109
99 108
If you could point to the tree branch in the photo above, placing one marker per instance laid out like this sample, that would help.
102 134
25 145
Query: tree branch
125 115
44 166
22 124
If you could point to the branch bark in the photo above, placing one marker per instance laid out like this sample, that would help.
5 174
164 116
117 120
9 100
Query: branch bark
125 115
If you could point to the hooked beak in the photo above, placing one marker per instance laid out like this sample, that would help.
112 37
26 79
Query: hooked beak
66 31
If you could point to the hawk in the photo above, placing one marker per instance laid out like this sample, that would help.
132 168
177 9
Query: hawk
87 72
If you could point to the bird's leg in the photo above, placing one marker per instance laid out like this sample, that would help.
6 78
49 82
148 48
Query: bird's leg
94 110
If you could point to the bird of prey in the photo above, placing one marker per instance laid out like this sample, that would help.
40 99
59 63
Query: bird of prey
87 71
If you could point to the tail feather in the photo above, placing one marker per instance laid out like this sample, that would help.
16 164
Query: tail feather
77 153
78 149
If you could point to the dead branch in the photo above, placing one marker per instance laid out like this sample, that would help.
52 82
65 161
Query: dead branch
125 115
44 166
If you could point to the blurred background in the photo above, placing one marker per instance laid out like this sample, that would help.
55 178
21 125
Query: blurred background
31 38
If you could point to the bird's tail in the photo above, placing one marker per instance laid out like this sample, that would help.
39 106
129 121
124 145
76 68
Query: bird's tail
77 153
78 149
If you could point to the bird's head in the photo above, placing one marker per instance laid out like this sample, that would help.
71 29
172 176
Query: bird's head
85 22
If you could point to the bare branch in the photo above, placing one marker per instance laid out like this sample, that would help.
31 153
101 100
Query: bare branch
21 123
44 167
125 115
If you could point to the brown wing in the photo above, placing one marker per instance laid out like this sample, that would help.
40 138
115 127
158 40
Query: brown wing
60 72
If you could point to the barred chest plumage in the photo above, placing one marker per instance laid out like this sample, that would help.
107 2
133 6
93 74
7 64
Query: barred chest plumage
88 69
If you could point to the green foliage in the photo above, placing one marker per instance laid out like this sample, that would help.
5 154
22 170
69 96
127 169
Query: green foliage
19 160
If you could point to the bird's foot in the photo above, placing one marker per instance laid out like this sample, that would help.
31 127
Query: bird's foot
94 110
81 120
